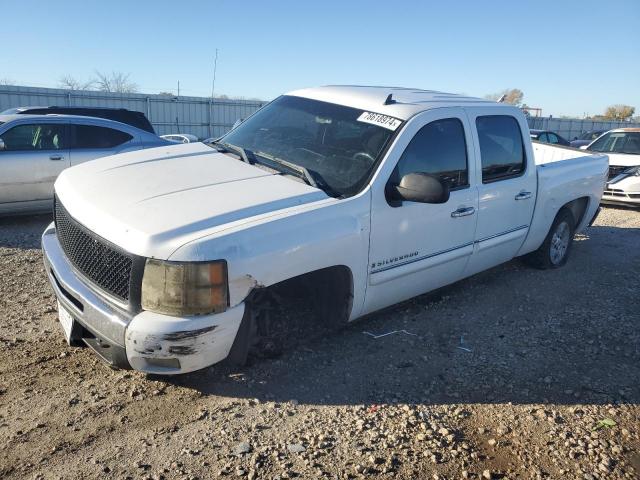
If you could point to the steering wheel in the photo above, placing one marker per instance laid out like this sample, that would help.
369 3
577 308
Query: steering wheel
363 157
360 163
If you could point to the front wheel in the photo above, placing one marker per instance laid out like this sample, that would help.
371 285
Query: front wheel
554 251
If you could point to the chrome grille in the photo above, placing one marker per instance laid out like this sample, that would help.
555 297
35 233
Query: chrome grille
100 262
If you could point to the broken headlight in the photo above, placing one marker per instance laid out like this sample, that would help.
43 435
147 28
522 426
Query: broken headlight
185 288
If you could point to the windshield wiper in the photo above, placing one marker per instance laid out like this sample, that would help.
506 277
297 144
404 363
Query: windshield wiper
249 157
297 170
246 155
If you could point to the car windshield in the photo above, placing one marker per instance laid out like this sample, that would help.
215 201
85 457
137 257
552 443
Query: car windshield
339 146
590 135
618 142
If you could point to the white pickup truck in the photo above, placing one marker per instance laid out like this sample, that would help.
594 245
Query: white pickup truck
350 198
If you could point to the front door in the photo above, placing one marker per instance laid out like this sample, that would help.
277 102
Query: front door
506 186
33 157
417 247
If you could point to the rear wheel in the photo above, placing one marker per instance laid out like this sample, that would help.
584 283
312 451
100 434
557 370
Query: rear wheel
555 249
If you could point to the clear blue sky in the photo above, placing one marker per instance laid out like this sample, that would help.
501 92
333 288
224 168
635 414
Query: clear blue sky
569 57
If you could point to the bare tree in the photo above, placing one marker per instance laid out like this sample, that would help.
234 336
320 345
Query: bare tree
619 112
115 82
512 96
6 81
71 83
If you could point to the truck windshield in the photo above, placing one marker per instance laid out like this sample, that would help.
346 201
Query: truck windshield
338 145
618 142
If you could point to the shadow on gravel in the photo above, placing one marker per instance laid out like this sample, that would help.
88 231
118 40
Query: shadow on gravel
23 232
511 334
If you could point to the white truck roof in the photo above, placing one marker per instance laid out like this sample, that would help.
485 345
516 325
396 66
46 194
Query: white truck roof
404 104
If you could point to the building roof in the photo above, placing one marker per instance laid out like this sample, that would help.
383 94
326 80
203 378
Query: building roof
405 102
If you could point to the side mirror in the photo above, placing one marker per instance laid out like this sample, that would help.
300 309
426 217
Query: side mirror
421 187
2 145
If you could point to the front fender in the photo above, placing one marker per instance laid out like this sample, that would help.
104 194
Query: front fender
290 244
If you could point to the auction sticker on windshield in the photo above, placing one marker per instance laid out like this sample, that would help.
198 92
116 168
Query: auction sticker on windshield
381 120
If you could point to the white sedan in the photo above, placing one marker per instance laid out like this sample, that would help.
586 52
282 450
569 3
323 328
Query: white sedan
622 145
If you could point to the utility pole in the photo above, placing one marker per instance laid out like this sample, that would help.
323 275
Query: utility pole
215 66
213 89
178 88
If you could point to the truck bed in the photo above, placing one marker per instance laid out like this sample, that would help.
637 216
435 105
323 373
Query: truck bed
564 174
545 153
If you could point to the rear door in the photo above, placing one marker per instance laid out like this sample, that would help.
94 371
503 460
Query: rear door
35 154
507 182
91 141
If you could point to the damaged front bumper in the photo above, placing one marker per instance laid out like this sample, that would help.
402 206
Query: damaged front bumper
623 189
145 341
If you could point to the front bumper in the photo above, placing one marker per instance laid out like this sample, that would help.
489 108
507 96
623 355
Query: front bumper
146 341
620 197
623 189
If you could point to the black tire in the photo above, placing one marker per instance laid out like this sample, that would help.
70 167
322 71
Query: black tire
292 312
551 253
240 349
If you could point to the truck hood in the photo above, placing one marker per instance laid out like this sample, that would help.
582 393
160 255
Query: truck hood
151 202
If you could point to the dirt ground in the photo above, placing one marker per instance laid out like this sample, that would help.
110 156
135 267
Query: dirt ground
514 373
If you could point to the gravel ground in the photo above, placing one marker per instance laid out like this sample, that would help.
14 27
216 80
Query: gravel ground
513 373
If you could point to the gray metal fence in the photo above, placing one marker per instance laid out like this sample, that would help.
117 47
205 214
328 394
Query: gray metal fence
199 116
205 117
570 128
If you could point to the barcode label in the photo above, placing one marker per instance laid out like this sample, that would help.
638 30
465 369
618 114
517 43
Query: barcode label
381 120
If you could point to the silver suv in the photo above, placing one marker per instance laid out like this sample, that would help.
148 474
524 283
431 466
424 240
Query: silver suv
34 149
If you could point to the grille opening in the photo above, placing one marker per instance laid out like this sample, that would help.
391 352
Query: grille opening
78 304
102 263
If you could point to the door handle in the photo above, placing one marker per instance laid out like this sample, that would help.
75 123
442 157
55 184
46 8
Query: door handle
463 212
55 157
523 196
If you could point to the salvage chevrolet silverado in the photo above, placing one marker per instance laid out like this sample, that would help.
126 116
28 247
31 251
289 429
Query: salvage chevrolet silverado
357 198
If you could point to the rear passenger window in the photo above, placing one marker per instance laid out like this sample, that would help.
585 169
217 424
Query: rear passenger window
439 149
501 147
89 136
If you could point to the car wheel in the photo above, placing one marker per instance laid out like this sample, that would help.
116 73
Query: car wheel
555 249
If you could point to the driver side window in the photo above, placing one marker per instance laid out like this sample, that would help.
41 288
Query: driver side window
439 149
